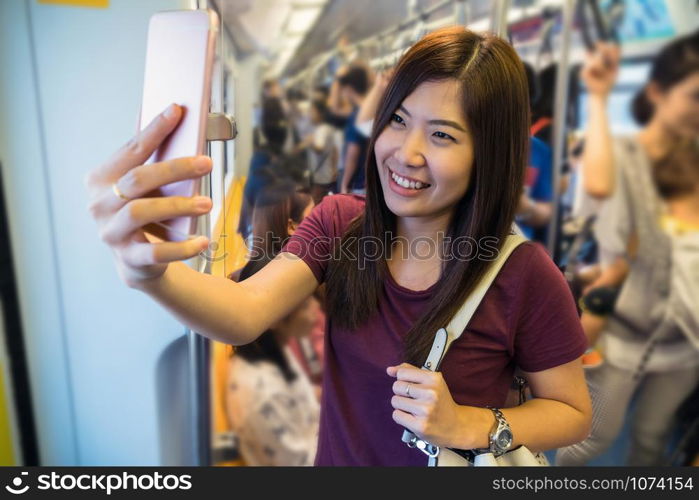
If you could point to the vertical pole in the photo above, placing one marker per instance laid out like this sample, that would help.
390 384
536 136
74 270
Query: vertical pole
498 19
559 119
200 400
460 15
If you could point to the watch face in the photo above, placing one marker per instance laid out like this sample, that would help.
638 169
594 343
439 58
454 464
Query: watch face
504 439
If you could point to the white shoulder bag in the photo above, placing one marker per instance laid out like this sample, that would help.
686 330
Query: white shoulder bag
445 457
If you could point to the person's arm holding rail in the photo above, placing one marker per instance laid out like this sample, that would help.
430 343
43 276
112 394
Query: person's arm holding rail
599 74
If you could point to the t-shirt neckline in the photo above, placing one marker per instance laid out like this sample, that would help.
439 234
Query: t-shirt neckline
407 291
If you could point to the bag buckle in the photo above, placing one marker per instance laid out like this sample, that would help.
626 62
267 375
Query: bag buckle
428 449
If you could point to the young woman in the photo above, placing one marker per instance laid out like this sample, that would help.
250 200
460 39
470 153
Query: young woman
446 169
647 341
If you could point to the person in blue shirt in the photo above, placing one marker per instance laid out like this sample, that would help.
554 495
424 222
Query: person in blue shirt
536 203
353 83
535 206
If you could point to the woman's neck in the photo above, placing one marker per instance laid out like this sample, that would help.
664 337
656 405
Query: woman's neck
416 230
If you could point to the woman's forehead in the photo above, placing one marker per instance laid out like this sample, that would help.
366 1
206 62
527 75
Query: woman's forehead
436 99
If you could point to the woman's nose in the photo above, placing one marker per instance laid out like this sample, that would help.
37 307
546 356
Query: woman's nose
411 151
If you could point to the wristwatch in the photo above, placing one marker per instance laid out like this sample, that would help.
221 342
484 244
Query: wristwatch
500 437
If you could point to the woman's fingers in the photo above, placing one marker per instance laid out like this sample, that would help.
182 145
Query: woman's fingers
410 422
141 180
146 254
414 391
144 179
139 148
409 405
410 373
137 213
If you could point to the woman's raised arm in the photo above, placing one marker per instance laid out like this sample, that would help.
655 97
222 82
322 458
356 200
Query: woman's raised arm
216 307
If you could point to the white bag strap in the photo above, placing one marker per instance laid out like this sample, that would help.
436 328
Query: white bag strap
445 336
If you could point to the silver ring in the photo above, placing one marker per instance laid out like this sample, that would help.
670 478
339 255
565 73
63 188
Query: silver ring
407 390
118 192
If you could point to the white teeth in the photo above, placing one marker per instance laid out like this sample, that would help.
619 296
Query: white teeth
406 183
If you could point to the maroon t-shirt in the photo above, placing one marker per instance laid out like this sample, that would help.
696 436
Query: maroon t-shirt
527 319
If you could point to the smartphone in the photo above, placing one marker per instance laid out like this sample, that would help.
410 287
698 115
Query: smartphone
179 64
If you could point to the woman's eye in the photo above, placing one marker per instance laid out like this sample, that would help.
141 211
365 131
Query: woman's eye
395 118
442 135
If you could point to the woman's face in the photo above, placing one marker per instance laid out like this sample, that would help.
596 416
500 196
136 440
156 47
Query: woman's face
425 154
678 107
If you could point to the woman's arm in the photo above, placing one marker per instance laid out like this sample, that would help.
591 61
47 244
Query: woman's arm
234 313
216 307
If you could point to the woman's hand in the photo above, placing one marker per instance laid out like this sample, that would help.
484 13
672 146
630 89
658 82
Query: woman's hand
601 67
121 220
423 404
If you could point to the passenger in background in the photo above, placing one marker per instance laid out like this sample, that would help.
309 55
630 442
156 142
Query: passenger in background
280 208
352 84
364 120
649 343
322 150
298 112
272 406
266 160
273 389
536 203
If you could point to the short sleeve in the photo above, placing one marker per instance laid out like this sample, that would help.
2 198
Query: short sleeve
316 236
547 328
615 222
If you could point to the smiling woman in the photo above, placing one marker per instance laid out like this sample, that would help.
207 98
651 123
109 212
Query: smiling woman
446 165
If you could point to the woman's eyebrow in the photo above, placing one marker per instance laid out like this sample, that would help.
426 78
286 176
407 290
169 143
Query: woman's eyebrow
447 123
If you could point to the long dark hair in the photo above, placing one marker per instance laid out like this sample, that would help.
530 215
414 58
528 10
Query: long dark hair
275 206
675 62
495 104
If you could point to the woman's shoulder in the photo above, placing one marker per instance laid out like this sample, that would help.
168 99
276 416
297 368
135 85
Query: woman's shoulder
336 212
530 274
526 255
344 204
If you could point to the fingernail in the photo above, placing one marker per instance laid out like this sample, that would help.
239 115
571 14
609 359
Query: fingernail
202 202
202 163
171 111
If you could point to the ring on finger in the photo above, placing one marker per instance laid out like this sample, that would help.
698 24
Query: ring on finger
118 192
407 390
